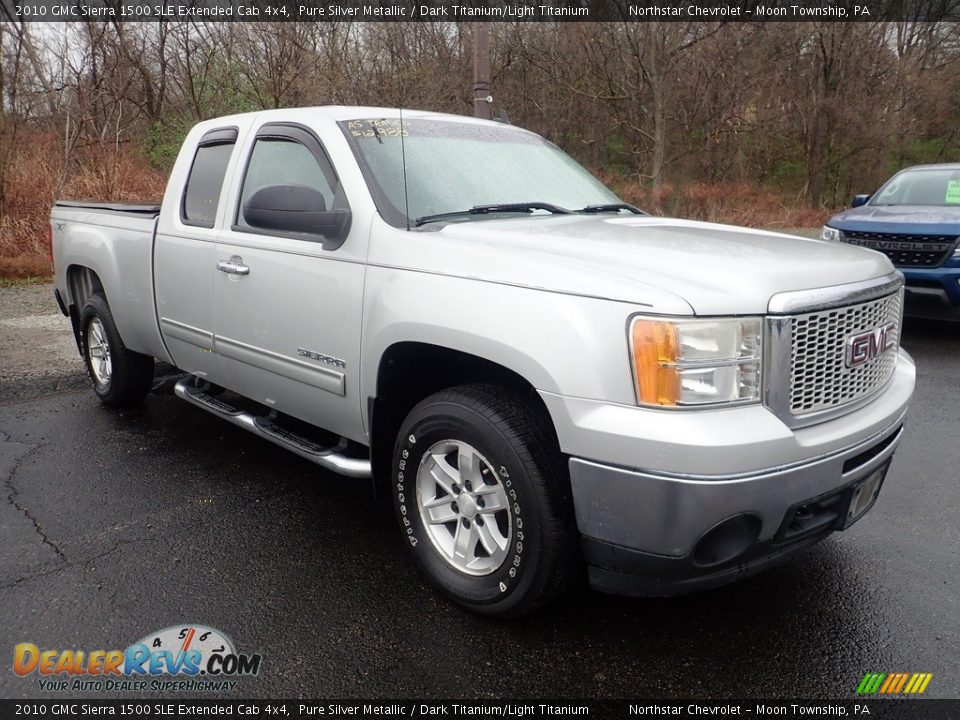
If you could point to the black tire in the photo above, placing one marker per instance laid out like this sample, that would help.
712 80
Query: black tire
518 452
131 375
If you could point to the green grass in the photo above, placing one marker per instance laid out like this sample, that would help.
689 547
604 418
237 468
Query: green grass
6 282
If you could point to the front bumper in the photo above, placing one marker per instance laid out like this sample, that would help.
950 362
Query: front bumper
659 484
933 293
728 529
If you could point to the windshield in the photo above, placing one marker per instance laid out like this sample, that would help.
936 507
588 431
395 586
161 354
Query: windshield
921 187
454 166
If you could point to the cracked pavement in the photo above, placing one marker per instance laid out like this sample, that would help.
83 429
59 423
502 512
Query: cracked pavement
118 523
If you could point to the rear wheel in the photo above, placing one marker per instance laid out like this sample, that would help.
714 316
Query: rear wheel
483 500
120 377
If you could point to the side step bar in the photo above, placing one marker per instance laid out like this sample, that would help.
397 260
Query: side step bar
331 458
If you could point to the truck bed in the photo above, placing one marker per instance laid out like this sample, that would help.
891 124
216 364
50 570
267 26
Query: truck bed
114 242
144 209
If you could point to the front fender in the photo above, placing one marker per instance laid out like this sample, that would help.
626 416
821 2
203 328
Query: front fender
559 343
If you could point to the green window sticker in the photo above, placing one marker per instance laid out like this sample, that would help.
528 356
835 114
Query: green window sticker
953 192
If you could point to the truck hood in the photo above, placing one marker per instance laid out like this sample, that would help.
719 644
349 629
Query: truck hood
907 219
674 266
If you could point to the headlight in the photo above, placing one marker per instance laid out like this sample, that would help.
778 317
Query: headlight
696 362
830 234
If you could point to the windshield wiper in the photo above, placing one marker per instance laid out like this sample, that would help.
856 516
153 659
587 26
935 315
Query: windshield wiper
611 207
521 207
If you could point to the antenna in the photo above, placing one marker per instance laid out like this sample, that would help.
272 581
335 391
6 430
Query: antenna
403 160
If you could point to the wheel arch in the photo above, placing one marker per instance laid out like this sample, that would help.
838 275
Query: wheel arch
82 282
410 371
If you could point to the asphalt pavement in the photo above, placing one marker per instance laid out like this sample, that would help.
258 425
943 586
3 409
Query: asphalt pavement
119 523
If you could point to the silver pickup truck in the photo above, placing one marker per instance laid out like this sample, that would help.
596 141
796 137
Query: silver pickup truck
552 383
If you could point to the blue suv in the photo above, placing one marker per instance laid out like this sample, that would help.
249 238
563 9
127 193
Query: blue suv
914 219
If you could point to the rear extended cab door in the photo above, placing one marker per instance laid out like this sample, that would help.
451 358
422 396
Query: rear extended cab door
287 325
185 248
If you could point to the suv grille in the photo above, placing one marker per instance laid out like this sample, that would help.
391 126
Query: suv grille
905 250
819 376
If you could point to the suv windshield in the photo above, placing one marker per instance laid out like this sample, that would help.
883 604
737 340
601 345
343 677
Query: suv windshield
455 166
921 187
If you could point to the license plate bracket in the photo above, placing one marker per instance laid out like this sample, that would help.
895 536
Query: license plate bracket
864 494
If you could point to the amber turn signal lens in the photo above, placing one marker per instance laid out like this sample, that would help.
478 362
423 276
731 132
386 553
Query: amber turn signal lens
655 352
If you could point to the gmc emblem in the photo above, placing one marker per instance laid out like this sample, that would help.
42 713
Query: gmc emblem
870 345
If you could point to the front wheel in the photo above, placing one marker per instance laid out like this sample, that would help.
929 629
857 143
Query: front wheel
120 377
483 500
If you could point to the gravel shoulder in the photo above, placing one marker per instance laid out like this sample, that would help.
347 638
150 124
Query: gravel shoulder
38 355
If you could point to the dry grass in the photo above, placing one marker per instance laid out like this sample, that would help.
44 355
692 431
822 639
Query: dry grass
733 203
37 175
26 266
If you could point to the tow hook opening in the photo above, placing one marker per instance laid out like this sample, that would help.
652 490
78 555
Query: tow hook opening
726 541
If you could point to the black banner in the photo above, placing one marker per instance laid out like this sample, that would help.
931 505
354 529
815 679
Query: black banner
480 10
907 709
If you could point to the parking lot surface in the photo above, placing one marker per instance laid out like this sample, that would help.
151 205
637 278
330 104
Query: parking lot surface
116 524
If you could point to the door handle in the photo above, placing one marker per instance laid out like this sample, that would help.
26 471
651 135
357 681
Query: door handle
233 266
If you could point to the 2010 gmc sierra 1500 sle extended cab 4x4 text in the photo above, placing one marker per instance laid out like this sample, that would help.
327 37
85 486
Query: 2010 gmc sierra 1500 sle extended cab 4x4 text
547 378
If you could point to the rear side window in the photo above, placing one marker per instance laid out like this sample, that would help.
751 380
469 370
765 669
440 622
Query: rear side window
202 192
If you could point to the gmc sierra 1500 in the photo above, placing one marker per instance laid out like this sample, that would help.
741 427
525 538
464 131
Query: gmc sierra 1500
546 378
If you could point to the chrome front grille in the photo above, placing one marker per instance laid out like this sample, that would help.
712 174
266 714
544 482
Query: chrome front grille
819 377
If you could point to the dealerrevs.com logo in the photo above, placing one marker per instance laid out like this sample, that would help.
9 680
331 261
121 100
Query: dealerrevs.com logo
179 658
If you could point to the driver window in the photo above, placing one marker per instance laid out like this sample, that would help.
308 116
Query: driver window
284 161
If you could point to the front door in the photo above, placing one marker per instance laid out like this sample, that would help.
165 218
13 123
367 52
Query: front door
287 305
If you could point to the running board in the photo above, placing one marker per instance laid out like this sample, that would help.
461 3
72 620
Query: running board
331 458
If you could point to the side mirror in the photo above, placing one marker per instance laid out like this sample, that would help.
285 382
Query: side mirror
297 209
859 200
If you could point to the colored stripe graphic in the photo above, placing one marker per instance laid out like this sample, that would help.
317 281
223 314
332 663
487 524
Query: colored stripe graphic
892 679
923 680
903 681
894 683
870 683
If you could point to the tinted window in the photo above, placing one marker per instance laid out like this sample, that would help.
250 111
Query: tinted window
202 193
283 161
